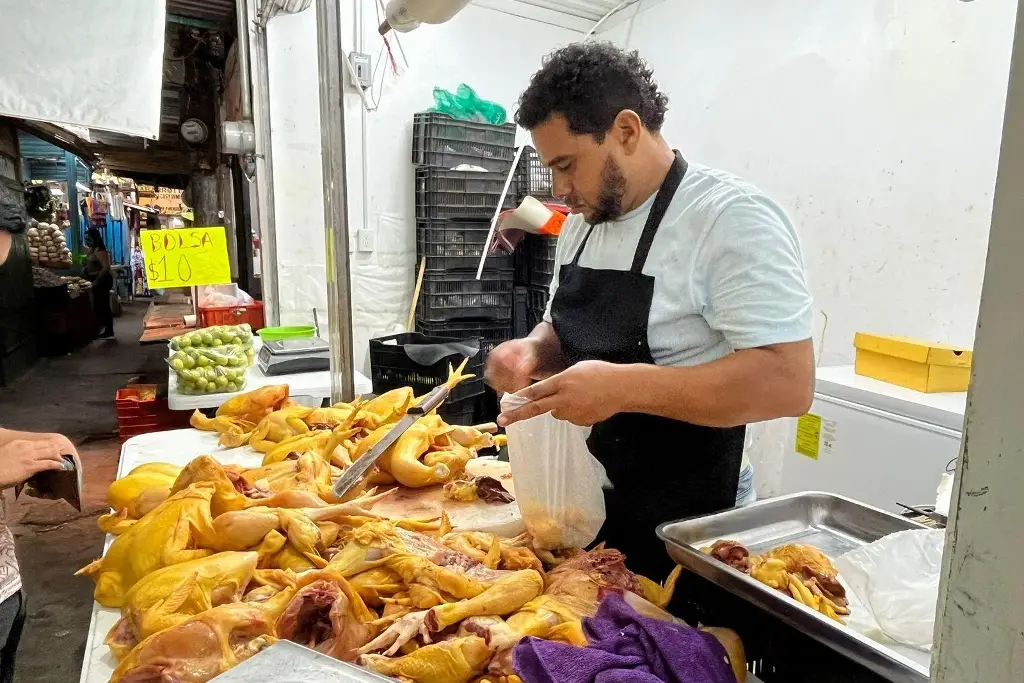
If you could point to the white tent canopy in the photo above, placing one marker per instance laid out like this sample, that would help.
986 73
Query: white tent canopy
97 64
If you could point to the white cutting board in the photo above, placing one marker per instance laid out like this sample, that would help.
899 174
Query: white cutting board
503 519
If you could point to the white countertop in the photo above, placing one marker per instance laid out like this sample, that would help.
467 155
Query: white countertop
178 447
316 385
944 409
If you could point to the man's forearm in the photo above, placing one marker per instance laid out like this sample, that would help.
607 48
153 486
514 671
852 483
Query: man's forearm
549 351
748 386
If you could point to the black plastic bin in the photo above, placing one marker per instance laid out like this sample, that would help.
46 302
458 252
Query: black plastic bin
439 140
458 295
542 258
521 314
456 243
391 367
537 304
533 179
442 193
490 332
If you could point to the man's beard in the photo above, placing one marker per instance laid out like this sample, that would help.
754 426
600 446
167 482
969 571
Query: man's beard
613 187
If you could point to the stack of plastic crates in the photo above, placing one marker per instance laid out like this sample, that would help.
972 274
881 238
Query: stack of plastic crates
453 218
534 259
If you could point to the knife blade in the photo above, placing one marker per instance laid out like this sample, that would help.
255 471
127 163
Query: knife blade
354 474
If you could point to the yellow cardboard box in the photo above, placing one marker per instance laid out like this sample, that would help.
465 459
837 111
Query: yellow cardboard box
923 366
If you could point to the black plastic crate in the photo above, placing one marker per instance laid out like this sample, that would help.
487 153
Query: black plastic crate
391 366
521 263
533 179
537 304
441 193
488 407
439 140
454 243
542 259
775 651
490 332
521 313
456 295
460 412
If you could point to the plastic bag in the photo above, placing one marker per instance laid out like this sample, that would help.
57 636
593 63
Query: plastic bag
895 581
211 371
215 337
219 296
466 105
558 482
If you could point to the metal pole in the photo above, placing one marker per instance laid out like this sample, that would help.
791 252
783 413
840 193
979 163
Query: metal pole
242 52
265 179
332 131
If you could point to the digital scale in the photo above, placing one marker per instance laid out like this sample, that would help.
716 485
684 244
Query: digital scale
292 356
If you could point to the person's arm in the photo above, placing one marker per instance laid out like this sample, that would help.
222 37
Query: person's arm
748 386
550 359
24 454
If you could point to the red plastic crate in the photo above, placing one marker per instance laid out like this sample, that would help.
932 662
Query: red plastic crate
139 411
233 315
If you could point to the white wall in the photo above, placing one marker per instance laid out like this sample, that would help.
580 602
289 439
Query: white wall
495 53
876 124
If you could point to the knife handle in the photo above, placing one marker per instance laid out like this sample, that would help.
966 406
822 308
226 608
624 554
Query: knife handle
430 401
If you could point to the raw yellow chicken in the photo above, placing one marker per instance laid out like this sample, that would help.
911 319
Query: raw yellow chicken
308 442
142 489
457 660
197 650
234 431
175 531
279 426
327 615
173 594
255 405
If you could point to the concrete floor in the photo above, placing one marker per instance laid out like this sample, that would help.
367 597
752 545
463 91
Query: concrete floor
72 395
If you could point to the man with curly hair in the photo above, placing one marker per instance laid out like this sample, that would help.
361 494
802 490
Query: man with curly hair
679 311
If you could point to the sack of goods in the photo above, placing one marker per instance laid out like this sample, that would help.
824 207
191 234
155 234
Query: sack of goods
212 360
47 244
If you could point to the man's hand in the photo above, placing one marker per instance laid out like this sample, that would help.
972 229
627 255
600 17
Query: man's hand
585 394
511 366
22 458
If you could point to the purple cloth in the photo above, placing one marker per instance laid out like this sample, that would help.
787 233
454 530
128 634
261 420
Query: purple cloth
626 648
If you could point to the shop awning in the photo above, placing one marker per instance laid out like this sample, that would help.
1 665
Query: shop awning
96 64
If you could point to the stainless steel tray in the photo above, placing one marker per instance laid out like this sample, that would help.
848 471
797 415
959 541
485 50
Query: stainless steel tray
833 524
286 662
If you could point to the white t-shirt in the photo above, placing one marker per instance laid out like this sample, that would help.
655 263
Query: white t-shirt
727 267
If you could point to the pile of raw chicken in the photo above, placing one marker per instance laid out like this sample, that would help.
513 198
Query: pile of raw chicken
212 563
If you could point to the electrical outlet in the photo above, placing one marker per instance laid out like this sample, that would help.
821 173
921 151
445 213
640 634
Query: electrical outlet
361 64
366 240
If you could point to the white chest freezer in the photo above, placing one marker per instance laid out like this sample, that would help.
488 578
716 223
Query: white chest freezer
873 442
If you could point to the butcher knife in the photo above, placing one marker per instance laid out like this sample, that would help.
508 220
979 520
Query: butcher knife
362 465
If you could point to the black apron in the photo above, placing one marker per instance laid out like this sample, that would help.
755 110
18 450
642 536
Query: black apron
661 469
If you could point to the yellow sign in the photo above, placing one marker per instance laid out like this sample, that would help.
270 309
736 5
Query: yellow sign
808 435
187 257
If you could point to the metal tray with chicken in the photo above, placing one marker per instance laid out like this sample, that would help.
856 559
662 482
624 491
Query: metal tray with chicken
777 555
212 563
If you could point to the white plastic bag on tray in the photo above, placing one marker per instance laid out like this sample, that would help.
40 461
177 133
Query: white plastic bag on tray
558 482
896 580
